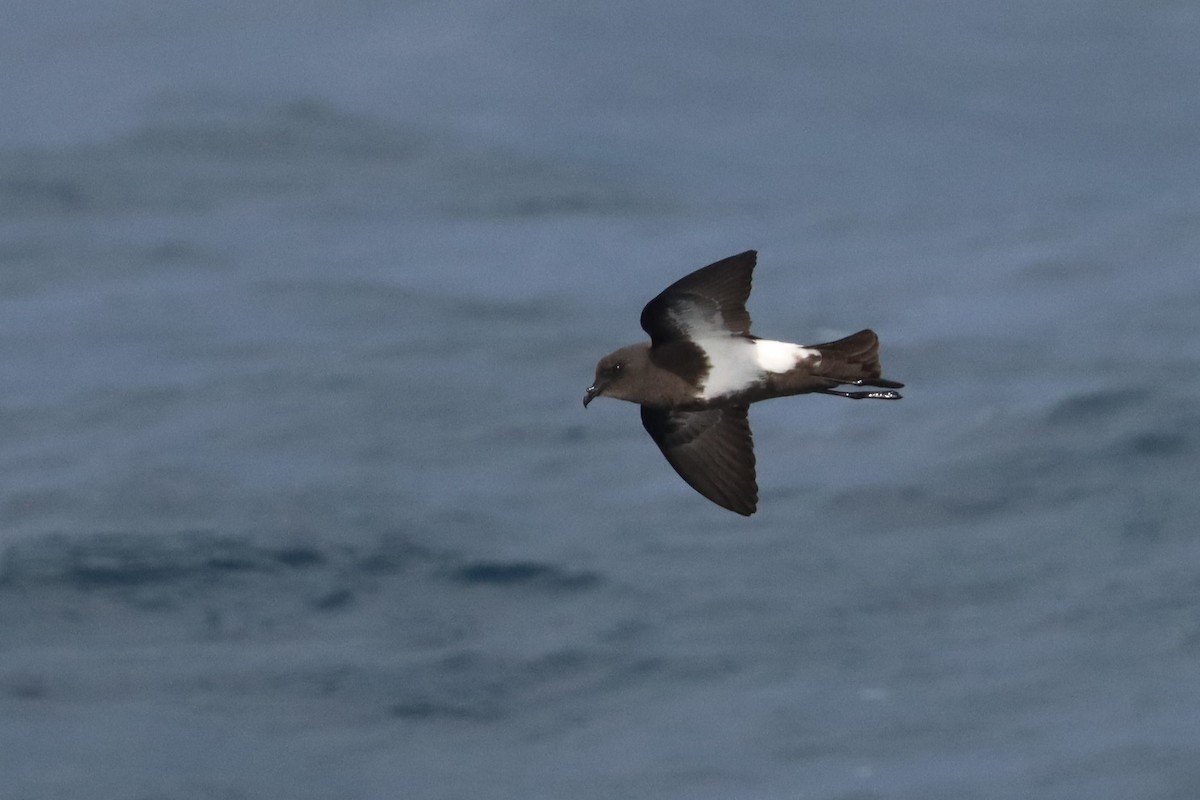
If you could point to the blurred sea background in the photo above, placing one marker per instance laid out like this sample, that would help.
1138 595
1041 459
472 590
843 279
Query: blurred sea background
298 302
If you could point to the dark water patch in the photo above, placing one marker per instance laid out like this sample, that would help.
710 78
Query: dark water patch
1056 271
1152 444
522 574
921 594
131 560
1093 407
371 305
462 685
1142 528
492 572
495 310
958 498
391 554
428 709
334 600
24 686
197 155
1161 771
483 686
42 192
227 128
552 198
299 557
201 586
117 560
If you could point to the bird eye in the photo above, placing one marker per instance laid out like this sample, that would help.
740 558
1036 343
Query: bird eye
618 367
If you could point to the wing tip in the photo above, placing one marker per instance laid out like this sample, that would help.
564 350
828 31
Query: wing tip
745 512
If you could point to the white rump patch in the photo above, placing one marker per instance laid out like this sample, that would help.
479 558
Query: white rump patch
781 356
738 363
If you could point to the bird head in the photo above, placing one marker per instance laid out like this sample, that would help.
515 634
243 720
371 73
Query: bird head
618 373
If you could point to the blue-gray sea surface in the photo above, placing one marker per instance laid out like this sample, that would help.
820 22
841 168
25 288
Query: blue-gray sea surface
298 302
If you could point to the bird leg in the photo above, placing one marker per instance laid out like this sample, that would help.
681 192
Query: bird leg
862 395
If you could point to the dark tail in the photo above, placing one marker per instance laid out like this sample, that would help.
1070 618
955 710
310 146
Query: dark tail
853 360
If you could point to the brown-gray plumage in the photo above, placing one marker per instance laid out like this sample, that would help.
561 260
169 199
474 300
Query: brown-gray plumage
702 368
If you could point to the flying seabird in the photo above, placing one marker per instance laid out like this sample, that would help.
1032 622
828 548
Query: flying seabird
701 370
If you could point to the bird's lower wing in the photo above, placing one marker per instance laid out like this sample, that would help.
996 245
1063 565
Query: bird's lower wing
712 450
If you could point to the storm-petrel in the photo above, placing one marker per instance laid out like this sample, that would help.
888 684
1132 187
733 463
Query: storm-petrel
701 370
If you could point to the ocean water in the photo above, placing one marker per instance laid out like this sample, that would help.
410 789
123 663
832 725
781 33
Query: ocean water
298 302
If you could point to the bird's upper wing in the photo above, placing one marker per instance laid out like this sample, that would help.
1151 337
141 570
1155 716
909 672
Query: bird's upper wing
710 300
712 450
